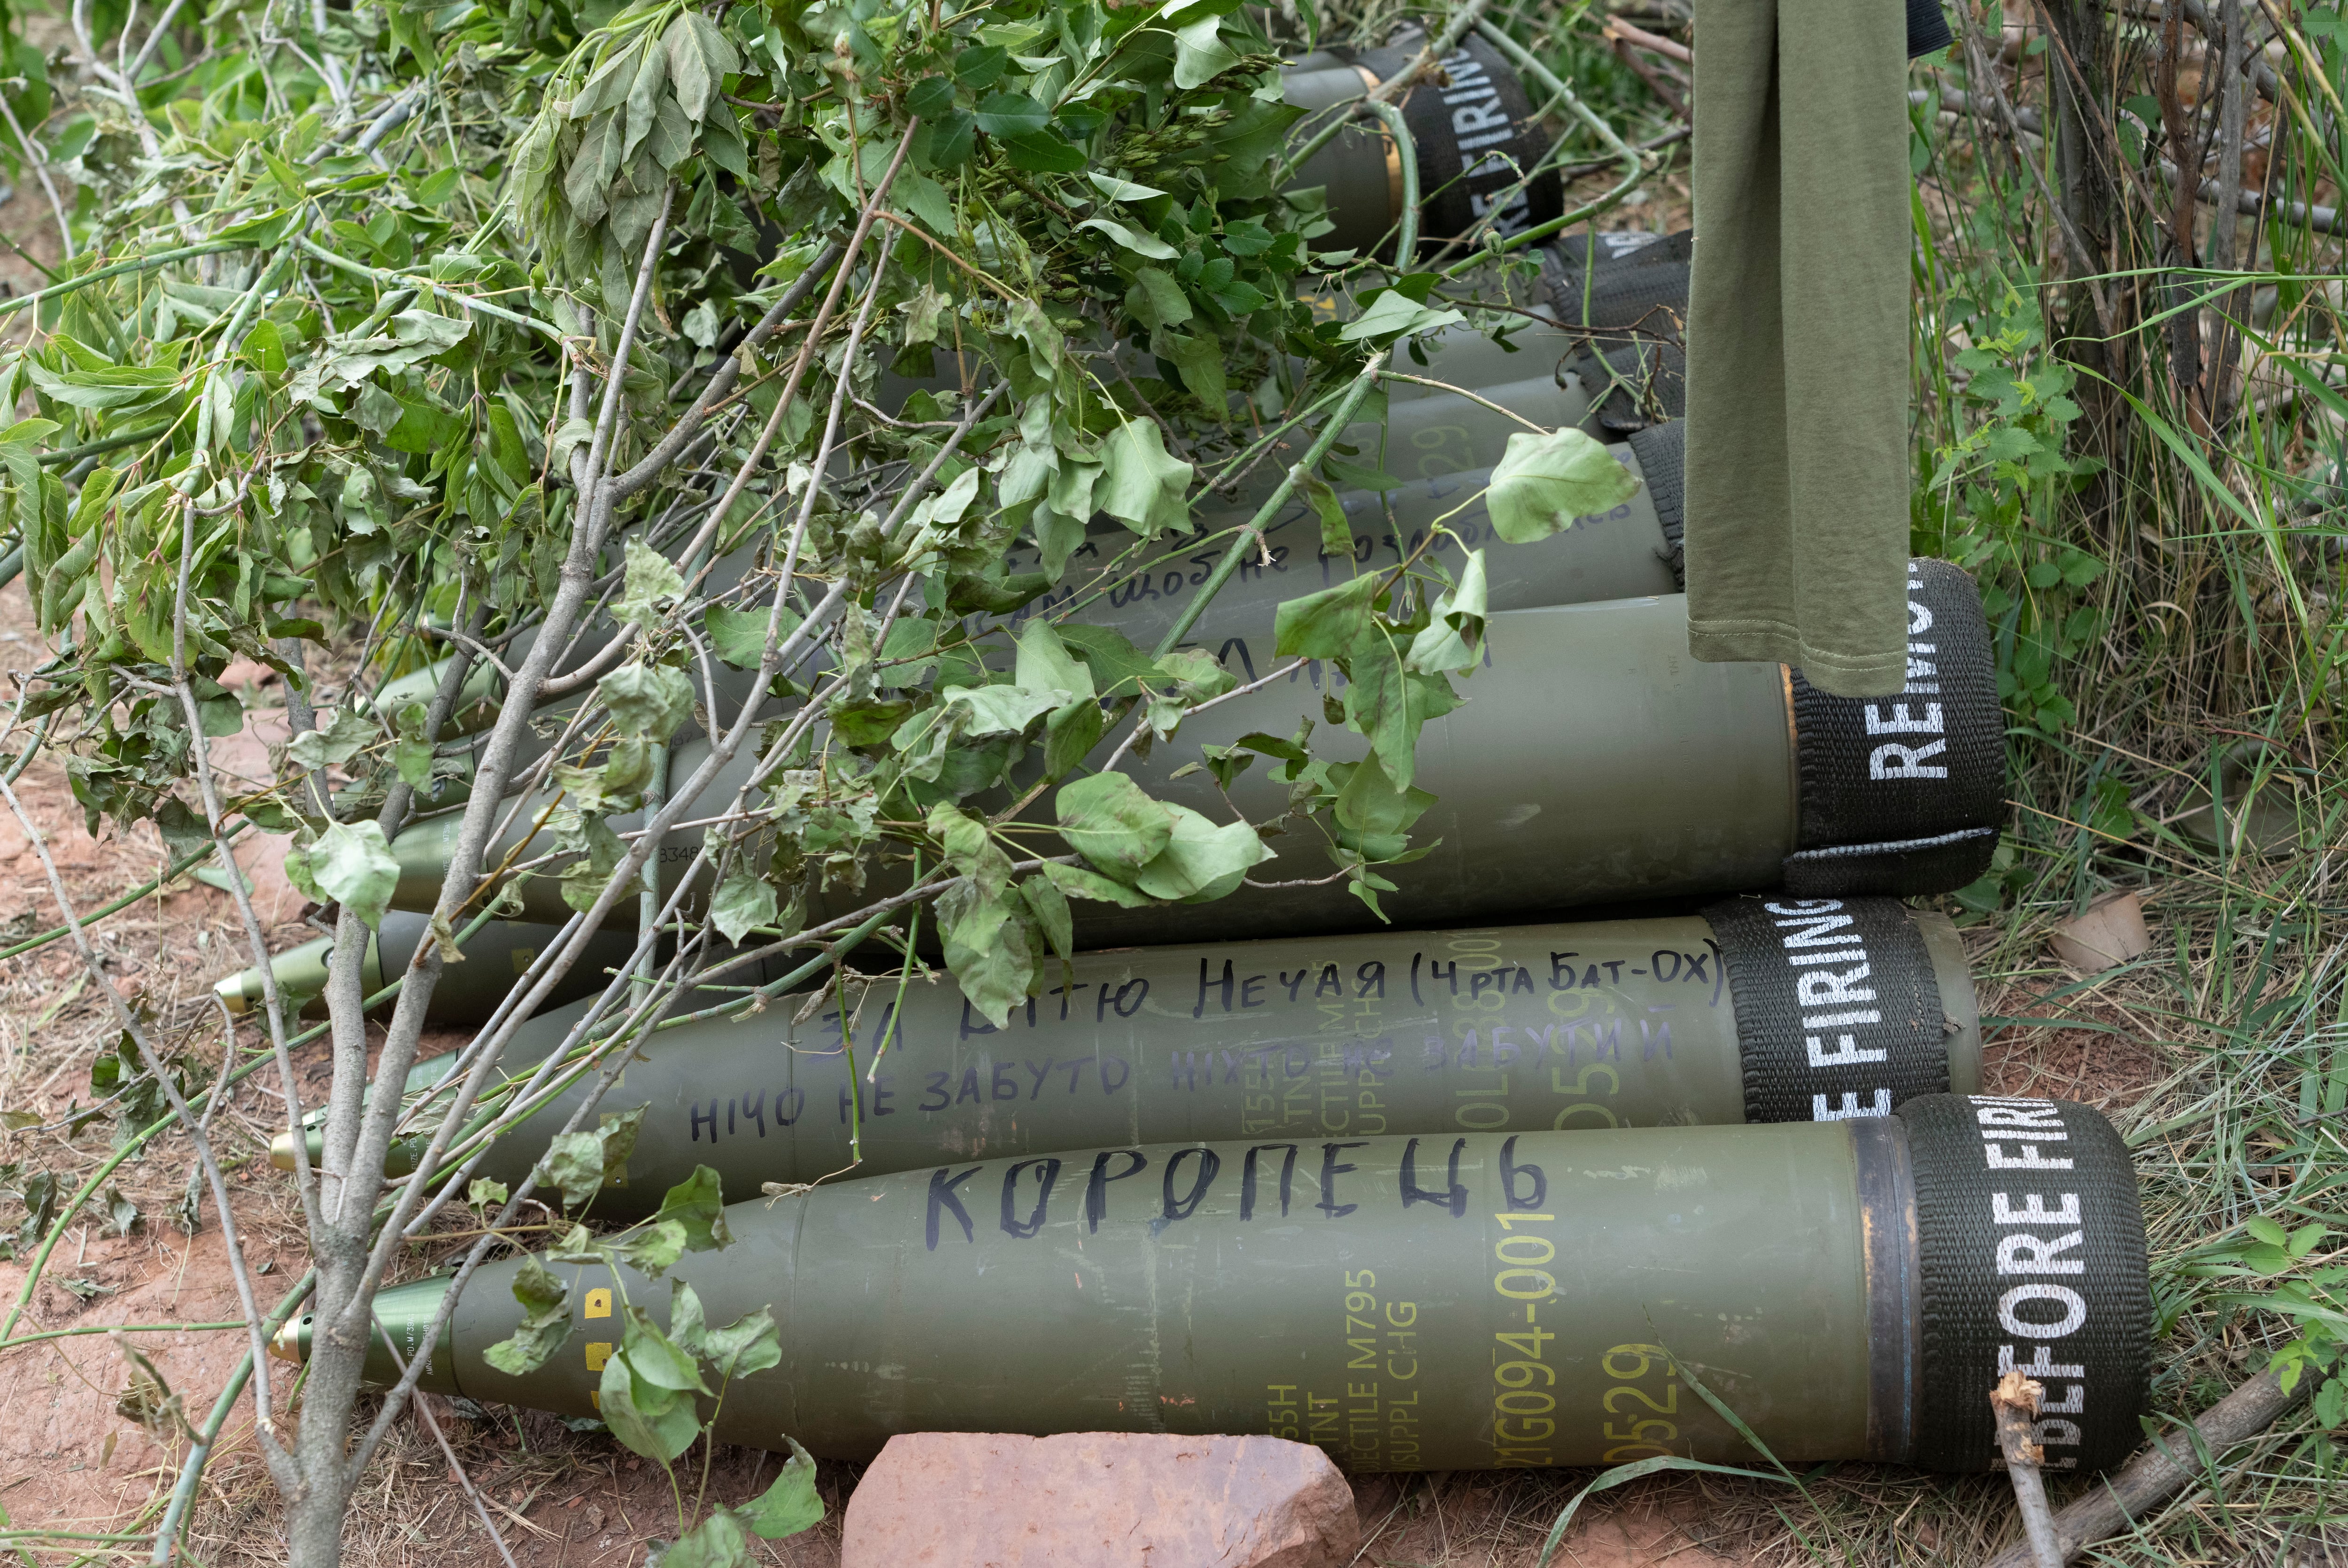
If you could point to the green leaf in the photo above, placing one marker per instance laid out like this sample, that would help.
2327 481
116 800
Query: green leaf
1395 315
1543 483
573 1165
1120 190
648 702
925 199
1111 822
969 848
351 731
600 851
1200 676
790 1505
930 97
1043 152
1012 114
1336 529
265 345
651 76
1140 244
1077 882
122 1215
1050 908
1070 735
1045 663
698 1204
717 1542
1119 669
655 1249
739 636
653 1420
650 578
1454 633
746 1346
1200 56
1359 475
1199 361
685 65
351 864
1002 709
981 66
1388 704
1202 861
545 1323
986 948
744 902
1370 802
1324 625
1155 300
951 139
1141 485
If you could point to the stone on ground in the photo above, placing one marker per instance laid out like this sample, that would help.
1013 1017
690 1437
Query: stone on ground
1089 1499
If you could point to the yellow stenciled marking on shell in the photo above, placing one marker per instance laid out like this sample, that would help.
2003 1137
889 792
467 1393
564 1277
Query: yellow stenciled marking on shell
599 1301
598 1352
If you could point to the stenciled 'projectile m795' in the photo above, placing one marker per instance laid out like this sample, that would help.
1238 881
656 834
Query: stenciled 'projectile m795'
1851 1290
1761 1009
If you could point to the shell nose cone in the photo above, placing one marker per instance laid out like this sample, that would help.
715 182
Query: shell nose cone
230 989
289 1344
281 1152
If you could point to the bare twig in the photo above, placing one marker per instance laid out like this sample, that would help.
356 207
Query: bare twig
1984 71
1639 38
41 169
2016 1401
2174 1462
455 1466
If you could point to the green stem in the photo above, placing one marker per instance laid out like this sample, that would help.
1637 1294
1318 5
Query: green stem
143 265
191 1471
1406 154
407 280
1407 243
108 444
178 869
1237 552
1634 166
120 1329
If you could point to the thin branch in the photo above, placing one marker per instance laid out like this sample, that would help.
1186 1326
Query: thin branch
2016 1401
2174 1463
455 1466
41 169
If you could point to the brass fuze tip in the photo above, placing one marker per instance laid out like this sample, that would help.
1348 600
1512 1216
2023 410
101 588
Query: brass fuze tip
281 1151
286 1343
230 989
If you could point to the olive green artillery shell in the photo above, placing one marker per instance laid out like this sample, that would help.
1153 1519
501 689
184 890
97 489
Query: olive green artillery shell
495 958
1592 759
1459 1302
1632 1023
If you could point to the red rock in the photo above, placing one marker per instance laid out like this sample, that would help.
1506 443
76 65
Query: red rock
1093 1500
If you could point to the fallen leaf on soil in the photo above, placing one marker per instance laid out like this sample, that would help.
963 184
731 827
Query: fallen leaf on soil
2109 933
